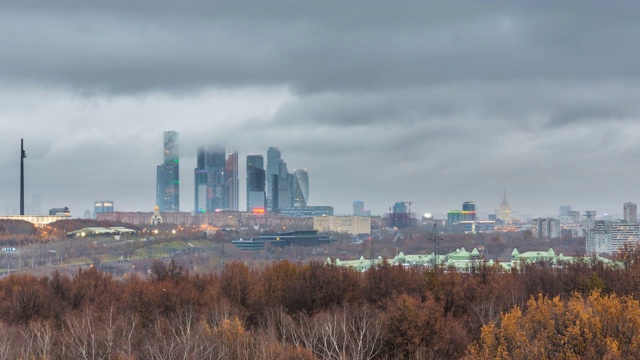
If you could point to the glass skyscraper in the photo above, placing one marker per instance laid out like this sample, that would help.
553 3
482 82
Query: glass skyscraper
273 169
200 183
232 184
215 163
168 175
256 176
300 187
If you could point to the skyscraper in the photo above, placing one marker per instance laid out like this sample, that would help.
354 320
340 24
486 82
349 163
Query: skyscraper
200 176
256 176
168 175
273 168
469 209
279 182
359 210
300 194
358 207
102 207
504 213
282 187
215 164
630 212
232 184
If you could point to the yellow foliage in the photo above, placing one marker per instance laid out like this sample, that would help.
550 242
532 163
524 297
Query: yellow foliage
231 329
593 327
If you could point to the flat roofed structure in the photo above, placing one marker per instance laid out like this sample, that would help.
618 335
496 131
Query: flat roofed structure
101 231
300 238
37 220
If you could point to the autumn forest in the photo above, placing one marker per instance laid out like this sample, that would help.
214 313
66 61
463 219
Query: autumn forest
309 311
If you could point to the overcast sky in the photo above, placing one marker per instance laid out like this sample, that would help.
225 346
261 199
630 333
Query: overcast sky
435 102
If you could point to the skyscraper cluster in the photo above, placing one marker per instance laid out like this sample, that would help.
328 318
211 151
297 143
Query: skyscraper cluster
216 184
283 188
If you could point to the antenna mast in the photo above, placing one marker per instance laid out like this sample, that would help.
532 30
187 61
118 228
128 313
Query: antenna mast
23 155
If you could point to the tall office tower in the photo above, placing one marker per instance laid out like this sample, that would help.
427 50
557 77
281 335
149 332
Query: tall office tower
215 163
273 168
283 186
300 193
469 209
358 207
168 175
468 206
200 177
232 184
565 210
256 177
504 213
630 212
102 207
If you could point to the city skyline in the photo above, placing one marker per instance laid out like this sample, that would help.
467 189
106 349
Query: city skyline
420 102
171 155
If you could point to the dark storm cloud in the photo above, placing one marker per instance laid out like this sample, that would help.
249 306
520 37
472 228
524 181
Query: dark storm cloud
519 104
139 46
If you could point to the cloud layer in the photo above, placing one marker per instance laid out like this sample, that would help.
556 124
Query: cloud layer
435 102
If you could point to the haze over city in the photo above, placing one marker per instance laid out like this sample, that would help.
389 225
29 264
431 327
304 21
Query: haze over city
432 102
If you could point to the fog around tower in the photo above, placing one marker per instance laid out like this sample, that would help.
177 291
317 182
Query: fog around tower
434 102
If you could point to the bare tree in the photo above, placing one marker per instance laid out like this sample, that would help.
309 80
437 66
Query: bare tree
39 337
85 337
345 333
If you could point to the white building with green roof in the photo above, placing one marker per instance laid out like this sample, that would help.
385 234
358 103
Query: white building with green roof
463 260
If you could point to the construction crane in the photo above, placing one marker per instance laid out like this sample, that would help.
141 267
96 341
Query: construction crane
409 203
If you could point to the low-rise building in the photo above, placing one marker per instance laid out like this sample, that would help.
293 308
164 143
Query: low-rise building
353 225
300 238
464 261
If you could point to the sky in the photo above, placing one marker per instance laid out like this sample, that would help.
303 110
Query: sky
433 102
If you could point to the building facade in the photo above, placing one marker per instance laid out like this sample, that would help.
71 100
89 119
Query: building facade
318 210
630 212
102 207
168 175
504 213
612 237
215 164
274 157
546 228
300 188
256 184
353 225
232 184
200 176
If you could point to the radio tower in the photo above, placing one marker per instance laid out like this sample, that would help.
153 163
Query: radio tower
23 155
